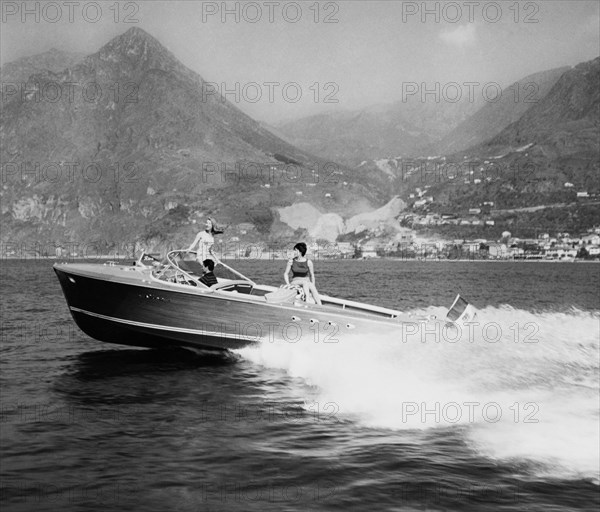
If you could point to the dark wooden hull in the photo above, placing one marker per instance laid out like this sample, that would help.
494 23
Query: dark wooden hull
147 316
120 305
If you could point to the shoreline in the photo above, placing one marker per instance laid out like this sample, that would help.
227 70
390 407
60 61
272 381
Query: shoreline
104 259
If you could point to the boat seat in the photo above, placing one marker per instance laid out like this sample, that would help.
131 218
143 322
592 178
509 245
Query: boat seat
282 295
233 286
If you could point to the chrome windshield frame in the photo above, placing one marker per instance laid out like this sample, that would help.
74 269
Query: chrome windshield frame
180 274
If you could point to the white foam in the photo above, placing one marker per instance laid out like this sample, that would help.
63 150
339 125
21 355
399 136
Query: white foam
538 371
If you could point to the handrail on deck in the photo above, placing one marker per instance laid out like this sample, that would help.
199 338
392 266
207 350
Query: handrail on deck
359 306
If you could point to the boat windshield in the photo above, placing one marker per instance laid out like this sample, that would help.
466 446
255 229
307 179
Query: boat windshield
181 266
178 266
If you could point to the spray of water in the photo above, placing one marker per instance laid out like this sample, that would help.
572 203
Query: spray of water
524 384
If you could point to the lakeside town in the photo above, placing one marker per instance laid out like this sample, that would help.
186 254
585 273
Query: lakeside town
560 247
398 230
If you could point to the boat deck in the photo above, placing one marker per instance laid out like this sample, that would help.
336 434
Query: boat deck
170 279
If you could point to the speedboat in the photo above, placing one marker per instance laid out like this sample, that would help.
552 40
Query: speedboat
162 303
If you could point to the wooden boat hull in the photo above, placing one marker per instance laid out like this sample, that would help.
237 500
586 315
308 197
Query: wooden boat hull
124 305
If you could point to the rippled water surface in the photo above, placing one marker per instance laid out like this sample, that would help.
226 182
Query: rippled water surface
502 418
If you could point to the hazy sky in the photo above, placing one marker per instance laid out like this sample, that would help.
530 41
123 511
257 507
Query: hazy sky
356 52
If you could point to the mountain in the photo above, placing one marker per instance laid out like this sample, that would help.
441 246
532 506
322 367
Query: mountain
496 115
404 128
565 121
127 144
529 174
53 60
415 127
542 159
133 94
558 138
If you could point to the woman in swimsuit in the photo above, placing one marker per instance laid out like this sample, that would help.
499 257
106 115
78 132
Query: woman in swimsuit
303 273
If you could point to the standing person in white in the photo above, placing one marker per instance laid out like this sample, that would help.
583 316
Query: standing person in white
205 241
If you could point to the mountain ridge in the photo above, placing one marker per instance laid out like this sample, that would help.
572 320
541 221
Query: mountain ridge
494 116
19 70
169 154
400 128
572 105
164 151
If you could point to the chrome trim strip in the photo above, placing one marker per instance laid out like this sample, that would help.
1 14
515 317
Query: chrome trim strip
167 328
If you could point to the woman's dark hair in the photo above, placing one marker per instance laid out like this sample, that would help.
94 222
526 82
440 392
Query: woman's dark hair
301 246
214 230
209 264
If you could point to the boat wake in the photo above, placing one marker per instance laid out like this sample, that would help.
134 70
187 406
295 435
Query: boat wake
522 386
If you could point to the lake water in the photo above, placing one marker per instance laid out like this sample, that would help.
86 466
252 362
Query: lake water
503 418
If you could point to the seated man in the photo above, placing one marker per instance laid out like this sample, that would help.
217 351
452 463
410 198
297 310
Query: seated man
208 278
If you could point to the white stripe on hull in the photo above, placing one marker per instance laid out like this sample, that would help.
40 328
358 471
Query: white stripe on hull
197 332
